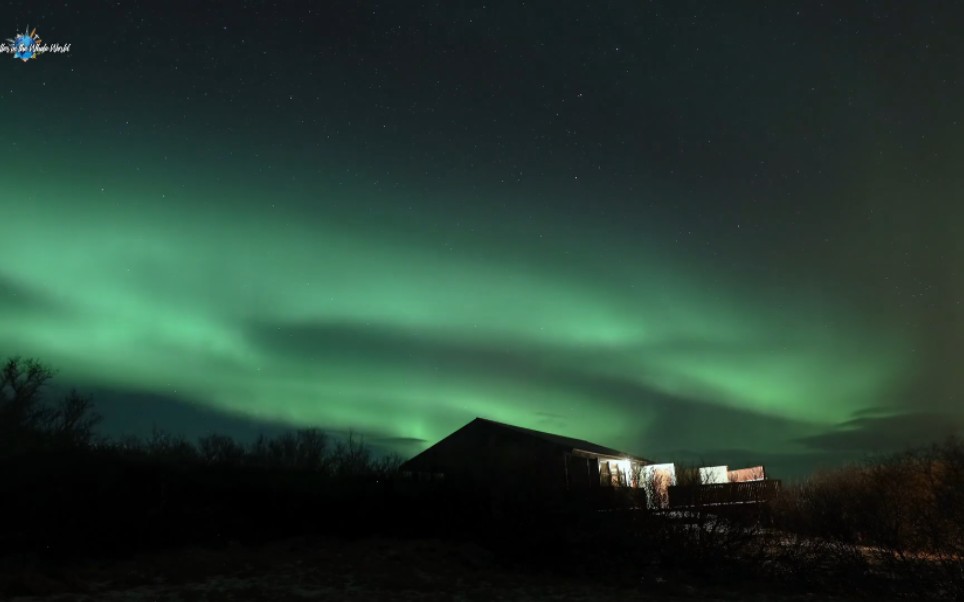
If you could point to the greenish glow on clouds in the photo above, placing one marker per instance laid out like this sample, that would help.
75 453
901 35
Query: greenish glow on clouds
389 325
618 223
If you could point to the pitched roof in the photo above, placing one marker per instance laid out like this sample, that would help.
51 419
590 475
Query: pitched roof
567 442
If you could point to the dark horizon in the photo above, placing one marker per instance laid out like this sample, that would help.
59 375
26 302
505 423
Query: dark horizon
687 231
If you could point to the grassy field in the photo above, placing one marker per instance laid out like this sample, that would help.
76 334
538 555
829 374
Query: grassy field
331 569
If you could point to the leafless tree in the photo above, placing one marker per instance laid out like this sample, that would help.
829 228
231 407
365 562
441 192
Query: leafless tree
26 421
387 465
164 445
73 420
352 457
21 386
312 445
305 449
220 450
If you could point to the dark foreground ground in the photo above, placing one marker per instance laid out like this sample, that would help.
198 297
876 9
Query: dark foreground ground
330 569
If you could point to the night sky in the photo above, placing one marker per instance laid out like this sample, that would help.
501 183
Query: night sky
727 231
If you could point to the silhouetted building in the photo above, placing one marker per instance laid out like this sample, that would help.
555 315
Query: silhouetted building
490 454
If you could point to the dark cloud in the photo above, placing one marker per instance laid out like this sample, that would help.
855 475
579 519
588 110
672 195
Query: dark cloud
15 297
401 441
665 421
403 446
873 433
129 412
136 412
509 360
377 344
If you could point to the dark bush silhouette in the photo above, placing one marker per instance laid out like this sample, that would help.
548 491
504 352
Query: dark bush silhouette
28 423
899 515
306 449
221 450
71 493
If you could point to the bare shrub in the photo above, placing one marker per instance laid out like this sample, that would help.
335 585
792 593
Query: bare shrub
352 457
27 422
387 465
220 450
166 446
897 517
305 449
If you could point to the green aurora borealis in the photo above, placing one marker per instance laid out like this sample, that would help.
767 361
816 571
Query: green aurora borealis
700 259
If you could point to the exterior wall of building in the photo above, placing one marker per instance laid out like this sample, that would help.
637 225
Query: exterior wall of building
507 466
743 475
491 458
714 475
582 472
657 479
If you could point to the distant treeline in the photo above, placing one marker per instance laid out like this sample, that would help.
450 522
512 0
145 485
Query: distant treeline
30 424
64 491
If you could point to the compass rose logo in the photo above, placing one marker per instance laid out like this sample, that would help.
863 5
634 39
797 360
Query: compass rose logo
25 45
